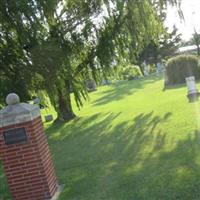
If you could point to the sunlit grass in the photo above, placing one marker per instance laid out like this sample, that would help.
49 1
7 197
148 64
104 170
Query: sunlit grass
133 140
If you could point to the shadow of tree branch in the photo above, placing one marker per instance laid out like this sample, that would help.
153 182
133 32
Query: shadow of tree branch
127 161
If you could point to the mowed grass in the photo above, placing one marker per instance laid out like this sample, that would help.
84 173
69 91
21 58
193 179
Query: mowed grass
133 141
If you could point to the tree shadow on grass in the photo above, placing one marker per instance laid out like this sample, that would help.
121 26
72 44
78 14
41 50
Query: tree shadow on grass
176 86
133 160
125 87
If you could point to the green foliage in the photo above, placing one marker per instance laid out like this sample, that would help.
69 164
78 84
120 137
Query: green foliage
180 67
129 72
167 44
152 68
53 45
196 39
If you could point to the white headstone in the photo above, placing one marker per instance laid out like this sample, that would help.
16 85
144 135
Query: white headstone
158 68
146 68
191 85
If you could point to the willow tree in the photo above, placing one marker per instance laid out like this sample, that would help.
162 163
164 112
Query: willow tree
19 27
62 41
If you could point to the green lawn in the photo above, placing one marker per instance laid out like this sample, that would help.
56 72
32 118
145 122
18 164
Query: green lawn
133 141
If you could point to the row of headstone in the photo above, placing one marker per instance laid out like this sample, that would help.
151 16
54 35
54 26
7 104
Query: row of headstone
91 85
159 68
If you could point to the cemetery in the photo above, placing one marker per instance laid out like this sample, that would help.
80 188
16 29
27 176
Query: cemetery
127 143
99 100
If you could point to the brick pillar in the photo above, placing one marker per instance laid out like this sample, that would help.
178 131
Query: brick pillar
25 154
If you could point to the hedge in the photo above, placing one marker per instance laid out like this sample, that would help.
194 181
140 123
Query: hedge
130 72
180 67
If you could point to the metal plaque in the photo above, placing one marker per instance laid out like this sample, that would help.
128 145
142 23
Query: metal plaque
15 136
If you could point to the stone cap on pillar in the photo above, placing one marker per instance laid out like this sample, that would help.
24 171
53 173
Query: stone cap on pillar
16 112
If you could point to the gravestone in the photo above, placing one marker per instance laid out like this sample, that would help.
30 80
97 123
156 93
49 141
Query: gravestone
193 92
48 118
145 68
91 85
159 68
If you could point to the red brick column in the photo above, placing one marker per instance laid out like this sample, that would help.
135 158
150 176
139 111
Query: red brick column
28 165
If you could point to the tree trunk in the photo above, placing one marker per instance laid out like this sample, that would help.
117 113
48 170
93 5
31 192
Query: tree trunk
141 68
198 50
64 109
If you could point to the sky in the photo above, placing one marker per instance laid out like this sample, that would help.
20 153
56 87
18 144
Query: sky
191 12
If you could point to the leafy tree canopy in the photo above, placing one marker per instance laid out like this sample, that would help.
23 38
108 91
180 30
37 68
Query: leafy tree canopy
55 44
